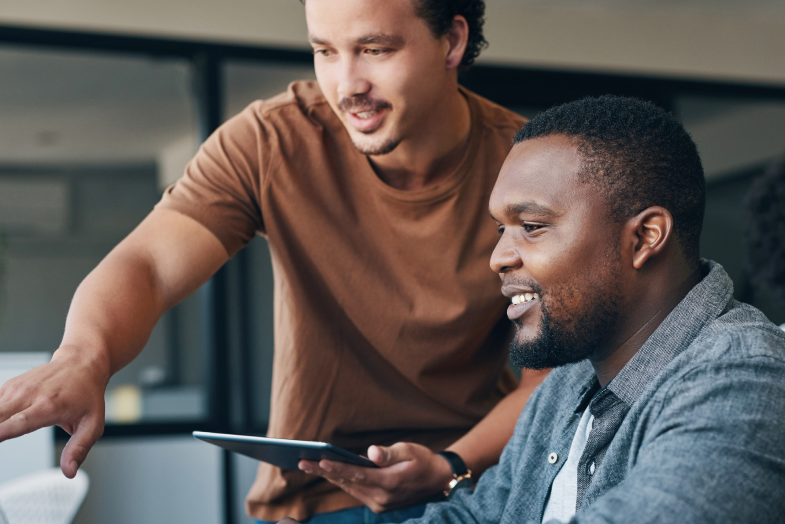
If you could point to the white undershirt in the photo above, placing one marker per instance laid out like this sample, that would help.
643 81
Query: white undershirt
564 490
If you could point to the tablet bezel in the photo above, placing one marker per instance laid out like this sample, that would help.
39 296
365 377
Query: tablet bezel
284 453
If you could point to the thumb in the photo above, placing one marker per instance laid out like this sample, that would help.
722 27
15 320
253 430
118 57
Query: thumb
387 456
75 452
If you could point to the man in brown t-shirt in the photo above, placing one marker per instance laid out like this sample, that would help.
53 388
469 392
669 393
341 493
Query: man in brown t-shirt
371 188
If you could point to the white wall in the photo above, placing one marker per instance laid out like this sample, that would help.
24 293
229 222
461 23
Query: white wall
741 40
721 45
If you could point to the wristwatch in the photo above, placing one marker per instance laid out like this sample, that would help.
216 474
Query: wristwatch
461 475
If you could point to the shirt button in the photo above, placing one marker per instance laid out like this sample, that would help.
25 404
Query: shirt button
553 458
591 469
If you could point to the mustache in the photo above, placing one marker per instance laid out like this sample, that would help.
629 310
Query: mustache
362 103
523 282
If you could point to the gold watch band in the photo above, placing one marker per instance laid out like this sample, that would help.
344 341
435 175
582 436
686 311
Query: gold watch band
455 481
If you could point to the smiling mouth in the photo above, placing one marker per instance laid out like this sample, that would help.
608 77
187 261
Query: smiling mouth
520 304
367 121
524 297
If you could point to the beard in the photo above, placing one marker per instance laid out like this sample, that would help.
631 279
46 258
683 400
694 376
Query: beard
565 336
369 146
379 147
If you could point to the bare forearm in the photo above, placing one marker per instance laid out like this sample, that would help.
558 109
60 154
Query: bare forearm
111 317
113 313
481 447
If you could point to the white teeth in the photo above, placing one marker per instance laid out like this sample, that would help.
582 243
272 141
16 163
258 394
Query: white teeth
524 297
366 114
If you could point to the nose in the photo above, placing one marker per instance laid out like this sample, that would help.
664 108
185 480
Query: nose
505 257
352 81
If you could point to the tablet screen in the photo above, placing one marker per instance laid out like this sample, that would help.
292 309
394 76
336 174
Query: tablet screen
283 453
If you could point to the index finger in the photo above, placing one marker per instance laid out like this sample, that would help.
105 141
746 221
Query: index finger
11 404
23 422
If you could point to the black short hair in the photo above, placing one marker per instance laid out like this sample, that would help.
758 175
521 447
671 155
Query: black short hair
636 154
439 15
765 238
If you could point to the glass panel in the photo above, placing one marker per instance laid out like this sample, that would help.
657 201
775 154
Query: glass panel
737 139
87 141
246 82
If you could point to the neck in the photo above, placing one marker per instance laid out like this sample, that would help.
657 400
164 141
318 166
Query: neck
646 312
434 151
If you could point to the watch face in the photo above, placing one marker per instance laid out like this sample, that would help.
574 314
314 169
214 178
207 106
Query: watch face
465 482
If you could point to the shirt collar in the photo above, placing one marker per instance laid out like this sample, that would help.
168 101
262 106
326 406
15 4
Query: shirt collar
705 302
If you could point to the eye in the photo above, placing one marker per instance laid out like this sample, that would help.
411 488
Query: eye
531 228
500 230
323 52
375 52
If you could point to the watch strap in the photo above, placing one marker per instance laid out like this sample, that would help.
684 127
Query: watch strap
457 464
460 473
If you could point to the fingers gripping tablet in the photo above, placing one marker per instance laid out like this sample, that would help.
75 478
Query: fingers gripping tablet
283 453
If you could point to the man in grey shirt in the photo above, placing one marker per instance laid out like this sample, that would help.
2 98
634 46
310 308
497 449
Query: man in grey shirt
668 401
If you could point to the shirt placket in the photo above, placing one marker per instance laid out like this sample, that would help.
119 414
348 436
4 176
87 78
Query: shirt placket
608 412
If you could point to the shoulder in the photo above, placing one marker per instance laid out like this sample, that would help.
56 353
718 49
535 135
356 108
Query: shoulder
743 331
737 359
301 105
494 117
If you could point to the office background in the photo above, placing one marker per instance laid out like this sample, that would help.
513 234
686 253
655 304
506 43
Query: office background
103 103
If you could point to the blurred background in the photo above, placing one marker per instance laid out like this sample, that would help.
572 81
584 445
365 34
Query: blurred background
103 102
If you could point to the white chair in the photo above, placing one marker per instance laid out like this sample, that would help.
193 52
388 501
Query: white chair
46 497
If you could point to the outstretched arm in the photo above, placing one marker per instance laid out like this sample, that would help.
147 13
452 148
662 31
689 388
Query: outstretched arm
113 312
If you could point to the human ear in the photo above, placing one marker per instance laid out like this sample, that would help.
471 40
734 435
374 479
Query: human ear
456 38
651 231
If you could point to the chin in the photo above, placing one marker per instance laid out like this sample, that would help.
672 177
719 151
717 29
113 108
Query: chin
380 141
375 147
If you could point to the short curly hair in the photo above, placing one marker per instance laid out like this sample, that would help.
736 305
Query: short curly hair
637 155
764 209
439 15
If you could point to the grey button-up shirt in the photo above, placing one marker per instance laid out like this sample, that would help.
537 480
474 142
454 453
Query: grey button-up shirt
691 430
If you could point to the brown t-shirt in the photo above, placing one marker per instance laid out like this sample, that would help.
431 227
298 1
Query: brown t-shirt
389 323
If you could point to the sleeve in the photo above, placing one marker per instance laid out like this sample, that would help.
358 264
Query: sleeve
714 452
221 187
487 502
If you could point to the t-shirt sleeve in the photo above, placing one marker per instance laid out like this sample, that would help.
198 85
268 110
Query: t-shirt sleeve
221 187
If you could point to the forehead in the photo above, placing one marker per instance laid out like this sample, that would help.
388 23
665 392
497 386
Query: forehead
351 19
542 171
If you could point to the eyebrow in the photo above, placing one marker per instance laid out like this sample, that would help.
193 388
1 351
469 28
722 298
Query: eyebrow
375 38
530 208
380 38
316 40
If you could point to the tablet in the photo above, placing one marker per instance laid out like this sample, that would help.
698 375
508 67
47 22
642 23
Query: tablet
281 452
